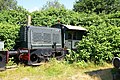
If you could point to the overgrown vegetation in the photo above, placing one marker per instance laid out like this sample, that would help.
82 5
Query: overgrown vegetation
97 6
56 70
9 34
8 4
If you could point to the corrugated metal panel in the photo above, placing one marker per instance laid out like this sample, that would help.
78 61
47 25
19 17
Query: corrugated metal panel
43 37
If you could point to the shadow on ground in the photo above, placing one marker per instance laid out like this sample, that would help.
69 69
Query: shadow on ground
102 74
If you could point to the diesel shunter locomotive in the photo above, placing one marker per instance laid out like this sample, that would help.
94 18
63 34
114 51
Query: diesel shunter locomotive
41 43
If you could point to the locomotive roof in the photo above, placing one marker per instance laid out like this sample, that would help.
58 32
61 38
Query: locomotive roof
75 27
70 27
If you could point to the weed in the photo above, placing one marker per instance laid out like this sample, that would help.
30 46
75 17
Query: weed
53 70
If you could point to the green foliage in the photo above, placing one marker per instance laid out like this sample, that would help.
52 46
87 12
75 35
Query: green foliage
55 70
101 44
52 15
97 6
14 17
52 4
8 4
10 22
11 62
9 34
72 57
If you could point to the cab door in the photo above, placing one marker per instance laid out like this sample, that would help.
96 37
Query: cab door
69 39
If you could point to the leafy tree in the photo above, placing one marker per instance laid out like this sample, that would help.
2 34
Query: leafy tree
52 15
10 22
97 6
9 34
21 10
54 4
100 45
8 4
14 17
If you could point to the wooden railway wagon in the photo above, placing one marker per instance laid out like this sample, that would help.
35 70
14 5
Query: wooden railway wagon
41 43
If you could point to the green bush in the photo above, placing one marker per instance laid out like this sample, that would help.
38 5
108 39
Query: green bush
51 16
14 17
9 34
100 44
10 22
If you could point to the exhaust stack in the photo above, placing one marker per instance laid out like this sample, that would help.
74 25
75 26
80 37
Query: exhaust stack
29 20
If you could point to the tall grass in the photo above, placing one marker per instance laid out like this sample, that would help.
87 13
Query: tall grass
53 70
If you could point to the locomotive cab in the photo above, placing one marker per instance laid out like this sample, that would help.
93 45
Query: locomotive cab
71 35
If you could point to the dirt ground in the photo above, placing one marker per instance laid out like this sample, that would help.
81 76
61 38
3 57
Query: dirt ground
102 74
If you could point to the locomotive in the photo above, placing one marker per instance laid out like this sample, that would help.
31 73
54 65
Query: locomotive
39 43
